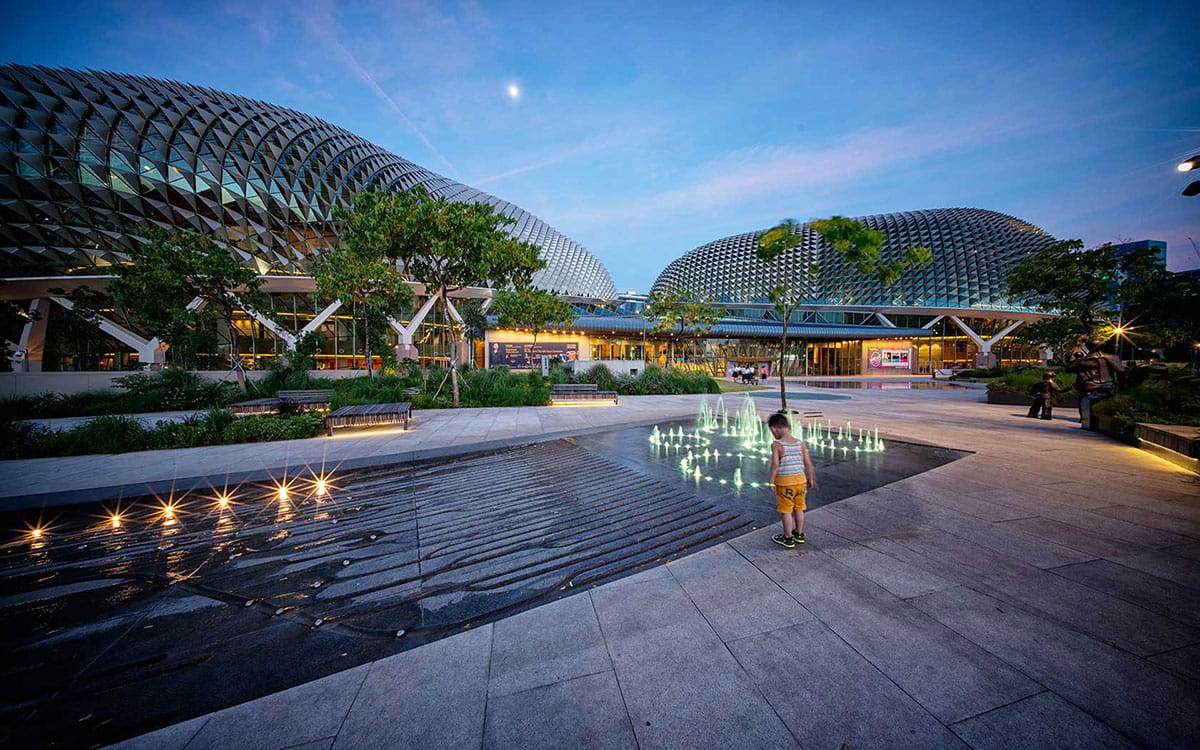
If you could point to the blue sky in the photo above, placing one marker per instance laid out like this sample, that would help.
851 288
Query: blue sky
645 129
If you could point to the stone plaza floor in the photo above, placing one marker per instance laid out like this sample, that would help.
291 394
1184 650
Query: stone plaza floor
1042 591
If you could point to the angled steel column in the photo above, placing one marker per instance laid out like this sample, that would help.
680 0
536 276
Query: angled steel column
29 350
405 349
150 352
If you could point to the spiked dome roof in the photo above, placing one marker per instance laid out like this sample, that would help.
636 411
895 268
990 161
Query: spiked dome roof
87 158
973 250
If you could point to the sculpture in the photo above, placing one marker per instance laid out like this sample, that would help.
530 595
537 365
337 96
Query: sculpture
1096 379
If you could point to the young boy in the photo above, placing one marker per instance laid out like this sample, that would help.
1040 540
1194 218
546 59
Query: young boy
792 476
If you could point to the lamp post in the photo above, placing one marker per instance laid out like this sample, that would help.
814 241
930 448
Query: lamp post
1187 166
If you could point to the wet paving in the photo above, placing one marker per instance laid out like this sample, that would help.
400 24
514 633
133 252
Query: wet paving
182 606
840 473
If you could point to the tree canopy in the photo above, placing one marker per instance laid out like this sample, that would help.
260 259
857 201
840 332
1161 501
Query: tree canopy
448 246
1101 288
169 270
863 247
677 310
360 275
532 308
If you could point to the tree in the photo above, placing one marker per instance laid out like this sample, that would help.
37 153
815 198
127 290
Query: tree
1092 288
771 244
169 270
532 308
449 246
676 310
1060 334
861 246
360 275
474 319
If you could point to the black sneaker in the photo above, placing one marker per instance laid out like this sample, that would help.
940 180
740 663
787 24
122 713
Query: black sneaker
783 541
798 538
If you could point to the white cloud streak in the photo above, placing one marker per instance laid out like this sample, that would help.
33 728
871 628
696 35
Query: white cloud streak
323 26
764 172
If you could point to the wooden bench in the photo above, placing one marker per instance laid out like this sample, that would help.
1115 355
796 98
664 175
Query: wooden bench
565 393
289 400
368 415
302 400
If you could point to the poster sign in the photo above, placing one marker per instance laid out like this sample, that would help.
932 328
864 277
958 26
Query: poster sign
882 359
525 355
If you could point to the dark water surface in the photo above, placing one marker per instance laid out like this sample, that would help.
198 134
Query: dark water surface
112 630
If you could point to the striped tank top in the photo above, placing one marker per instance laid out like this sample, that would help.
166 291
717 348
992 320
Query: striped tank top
792 461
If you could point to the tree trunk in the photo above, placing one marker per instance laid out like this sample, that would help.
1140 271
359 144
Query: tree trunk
453 344
782 358
367 340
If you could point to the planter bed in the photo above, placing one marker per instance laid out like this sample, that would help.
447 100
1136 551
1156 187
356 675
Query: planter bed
1012 398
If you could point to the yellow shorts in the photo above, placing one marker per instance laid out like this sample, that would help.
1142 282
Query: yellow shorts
789 492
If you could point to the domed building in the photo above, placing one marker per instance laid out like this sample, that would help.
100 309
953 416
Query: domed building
90 158
954 311
973 249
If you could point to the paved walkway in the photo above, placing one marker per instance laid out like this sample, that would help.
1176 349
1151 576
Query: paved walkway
1043 592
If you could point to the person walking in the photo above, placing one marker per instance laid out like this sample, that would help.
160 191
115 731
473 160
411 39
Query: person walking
1043 393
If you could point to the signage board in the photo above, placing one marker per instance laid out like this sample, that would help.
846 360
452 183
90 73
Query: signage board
883 359
525 355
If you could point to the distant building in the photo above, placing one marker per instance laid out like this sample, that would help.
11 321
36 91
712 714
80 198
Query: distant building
1159 247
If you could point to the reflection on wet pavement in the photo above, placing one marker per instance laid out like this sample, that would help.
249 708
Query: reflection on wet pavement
120 620
117 620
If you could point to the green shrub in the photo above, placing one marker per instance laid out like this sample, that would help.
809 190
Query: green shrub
1176 401
259 428
1020 380
108 434
601 376
382 389
139 393
175 389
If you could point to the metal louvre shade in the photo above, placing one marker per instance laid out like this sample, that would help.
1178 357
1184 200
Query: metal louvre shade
88 158
973 251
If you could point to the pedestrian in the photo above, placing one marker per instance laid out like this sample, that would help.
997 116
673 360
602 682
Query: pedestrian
1043 393
792 476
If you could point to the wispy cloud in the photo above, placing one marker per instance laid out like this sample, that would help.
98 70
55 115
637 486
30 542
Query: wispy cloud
761 172
629 137
319 22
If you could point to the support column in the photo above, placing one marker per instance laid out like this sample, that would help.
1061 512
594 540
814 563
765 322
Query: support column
405 349
985 358
151 353
32 345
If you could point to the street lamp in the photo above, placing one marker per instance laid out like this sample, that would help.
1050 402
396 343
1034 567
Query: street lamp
1187 166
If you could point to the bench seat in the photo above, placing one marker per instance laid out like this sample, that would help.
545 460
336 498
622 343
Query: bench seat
567 393
284 400
368 415
306 399
256 406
